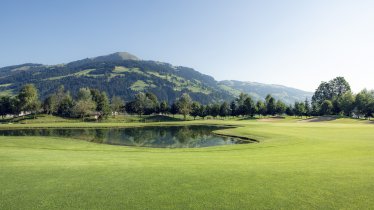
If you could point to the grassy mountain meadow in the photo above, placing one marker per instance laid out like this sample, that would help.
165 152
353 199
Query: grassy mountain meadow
123 74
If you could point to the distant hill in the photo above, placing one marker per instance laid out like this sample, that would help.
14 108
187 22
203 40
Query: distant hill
123 74
259 90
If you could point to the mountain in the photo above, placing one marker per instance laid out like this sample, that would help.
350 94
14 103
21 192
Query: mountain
123 74
120 74
259 90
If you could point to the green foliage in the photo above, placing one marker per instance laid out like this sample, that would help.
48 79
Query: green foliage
195 109
164 107
184 105
85 106
214 110
261 108
174 109
50 104
29 99
6 105
117 104
299 109
270 105
249 107
364 103
224 110
280 107
332 91
347 103
326 107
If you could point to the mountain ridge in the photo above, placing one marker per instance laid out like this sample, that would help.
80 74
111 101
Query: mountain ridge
123 74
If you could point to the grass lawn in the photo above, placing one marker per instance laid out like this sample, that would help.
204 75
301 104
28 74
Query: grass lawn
309 165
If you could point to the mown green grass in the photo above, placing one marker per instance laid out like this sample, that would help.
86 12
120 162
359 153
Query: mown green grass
323 165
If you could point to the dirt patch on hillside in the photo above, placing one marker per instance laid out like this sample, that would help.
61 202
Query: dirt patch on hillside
318 119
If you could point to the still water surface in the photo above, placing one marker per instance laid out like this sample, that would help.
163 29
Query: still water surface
157 136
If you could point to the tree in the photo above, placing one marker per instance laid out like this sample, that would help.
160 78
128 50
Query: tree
50 105
164 107
290 110
203 112
103 105
233 108
65 107
83 108
240 104
5 106
152 103
270 105
174 109
299 109
117 104
28 99
84 94
261 108
347 103
326 107
339 86
60 95
214 110
249 107
224 109
280 107
332 91
140 103
308 109
184 105
363 102
195 109
84 105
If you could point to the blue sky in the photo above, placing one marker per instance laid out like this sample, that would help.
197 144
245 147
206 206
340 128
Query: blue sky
294 43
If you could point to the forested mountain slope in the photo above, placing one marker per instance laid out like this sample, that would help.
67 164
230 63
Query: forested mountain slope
124 75
260 90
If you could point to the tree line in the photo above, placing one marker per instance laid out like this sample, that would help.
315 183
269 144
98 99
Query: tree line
336 98
331 98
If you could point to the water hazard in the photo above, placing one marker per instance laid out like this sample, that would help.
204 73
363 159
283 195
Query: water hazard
155 136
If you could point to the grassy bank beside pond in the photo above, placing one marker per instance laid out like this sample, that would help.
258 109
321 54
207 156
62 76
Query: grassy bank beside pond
296 165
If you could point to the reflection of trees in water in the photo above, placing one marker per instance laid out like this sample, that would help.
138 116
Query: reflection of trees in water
172 136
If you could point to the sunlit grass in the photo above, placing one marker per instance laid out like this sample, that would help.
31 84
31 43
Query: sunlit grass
312 165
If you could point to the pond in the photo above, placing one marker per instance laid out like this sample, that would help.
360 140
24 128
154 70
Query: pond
155 136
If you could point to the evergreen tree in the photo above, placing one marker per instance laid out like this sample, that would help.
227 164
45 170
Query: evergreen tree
224 109
174 109
270 105
214 110
233 108
5 106
249 107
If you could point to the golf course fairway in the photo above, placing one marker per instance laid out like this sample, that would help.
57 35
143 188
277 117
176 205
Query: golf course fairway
295 165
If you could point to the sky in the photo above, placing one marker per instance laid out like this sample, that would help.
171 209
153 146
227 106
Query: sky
295 43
